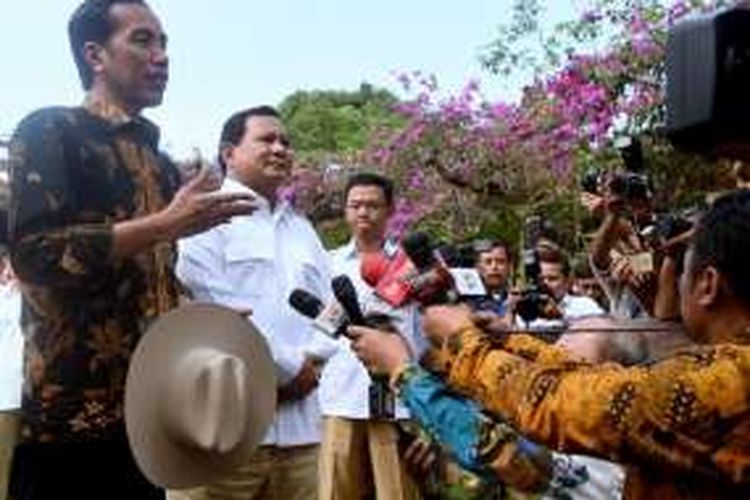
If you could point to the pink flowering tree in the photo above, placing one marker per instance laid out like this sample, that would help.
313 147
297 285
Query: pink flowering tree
467 164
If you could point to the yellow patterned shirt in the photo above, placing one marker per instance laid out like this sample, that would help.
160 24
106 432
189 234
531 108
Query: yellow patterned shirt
682 425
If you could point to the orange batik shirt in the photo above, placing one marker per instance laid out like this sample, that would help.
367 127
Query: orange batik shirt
682 425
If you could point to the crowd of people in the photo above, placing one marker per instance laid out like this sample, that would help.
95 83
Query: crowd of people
620 373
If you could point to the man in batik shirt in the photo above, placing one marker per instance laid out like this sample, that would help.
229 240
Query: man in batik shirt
682 424
93 213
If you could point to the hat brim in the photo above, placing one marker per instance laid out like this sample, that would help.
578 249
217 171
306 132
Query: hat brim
162 460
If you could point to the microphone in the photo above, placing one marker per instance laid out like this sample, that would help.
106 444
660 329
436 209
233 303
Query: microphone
346 294
305 303
381 400
418 248
373 268
330 320
433 279
413 274
390 277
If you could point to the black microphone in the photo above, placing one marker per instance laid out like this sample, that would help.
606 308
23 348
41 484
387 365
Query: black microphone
418 247
433 280
331 320
306 303
346 294
381 399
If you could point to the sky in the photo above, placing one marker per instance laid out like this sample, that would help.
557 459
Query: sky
227 55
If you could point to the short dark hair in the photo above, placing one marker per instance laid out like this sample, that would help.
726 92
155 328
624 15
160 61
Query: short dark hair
581 267
481 246
722 240
234 127
91 22
550 253
371 179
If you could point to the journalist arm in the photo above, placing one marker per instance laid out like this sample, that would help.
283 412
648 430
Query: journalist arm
682 412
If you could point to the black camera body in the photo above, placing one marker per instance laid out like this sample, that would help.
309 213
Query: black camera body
535 299
631 186
708 76
671 225
668 226
532 304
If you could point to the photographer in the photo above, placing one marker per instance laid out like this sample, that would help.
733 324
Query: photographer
682 424
556 279
613 243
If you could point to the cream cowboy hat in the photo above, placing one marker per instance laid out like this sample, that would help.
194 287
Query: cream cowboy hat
199 397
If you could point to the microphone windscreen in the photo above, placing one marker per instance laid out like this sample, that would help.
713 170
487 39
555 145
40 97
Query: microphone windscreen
305 303
373 268
418 248
346 294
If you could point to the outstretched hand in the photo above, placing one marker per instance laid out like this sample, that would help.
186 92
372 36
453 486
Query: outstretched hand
199 205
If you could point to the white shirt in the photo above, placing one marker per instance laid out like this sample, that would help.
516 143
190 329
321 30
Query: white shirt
11 348
575 306
344 383
254 262
571 307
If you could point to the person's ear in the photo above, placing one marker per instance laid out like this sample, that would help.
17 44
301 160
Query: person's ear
225 152
707 286
94 55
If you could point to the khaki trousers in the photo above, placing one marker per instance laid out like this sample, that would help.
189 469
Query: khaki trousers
359 459
272 473
10 424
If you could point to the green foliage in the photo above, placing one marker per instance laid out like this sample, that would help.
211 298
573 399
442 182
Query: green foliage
327 122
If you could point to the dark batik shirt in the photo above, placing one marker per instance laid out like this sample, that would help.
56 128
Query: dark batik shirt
75 172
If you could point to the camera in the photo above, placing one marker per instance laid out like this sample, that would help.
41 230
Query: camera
535 301
708 74
667 227
629 185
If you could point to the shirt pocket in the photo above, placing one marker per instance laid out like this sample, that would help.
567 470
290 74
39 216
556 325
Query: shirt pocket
308 276
249 267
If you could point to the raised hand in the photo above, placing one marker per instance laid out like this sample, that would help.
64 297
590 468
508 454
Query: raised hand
199 206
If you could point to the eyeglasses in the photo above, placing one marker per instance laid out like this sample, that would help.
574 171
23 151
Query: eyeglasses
368 206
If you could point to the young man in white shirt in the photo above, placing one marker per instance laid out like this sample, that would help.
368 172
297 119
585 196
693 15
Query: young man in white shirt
360 455
253 263
555 275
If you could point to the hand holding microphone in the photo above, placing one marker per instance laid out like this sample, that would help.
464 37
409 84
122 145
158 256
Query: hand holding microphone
381 399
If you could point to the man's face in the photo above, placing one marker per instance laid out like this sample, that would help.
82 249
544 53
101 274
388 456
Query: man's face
263 158
367 211
133 63
494 267
589 287
554 280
